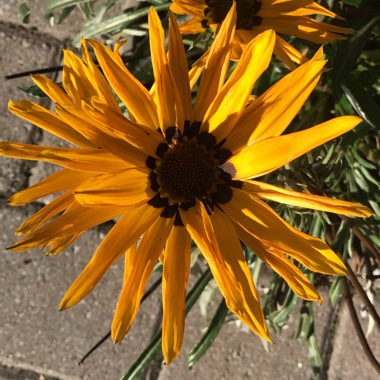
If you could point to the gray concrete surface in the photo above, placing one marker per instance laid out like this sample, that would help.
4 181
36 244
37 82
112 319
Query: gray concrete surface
347 349
38 342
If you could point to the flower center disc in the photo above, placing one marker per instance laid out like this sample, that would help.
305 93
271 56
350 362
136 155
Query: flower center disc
186 171
246 12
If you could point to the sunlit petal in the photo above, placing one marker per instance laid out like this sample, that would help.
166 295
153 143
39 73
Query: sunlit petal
274 193
261 221
276 260
112 247
174 284
141 264
218 242
125 188
216 66
272 153
273 111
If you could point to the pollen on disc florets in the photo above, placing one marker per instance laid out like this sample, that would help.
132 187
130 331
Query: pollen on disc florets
187 168
246 10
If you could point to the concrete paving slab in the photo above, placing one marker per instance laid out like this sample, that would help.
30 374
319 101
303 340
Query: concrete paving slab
18 54
236 354
348 360
36 337
239 354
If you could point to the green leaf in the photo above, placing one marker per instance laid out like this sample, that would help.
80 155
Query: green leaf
55 5
361 160
150 352
350 50
279 317
65 13
361 181
305 325
329 154
115 24
143 361
336 290
342 236
342 104
33 91
314 355
375 206
369 177
305 331
87 10
354 3
363 103
208 338
24 11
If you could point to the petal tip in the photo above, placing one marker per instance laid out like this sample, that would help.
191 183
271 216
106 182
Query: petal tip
11 105
62 307
65 303
116 334
268 338
169 357
367 212
11 201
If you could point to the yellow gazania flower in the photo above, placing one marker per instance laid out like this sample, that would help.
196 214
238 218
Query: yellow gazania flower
173 172
288 17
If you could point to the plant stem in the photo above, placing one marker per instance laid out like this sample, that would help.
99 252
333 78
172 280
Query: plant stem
355 321
363 295
366 242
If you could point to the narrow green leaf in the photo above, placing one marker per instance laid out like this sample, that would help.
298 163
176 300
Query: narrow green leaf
375 206
362 161
116 23
55 5
305 325
341 237
65 13
150 352
33 91
350 50
279 317
335 290
329 154
362 102
197 290
342 104
87 10
354 3
314 355
361 181
24 12
305 331
143 361
369 177
209 336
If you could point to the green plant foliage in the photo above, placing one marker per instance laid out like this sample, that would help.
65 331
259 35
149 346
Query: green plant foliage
24 11
146 357
209 336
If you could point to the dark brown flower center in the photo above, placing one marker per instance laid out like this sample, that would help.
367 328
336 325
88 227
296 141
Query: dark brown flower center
186 171
187 168
246 12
